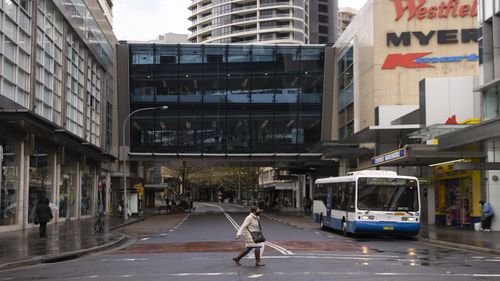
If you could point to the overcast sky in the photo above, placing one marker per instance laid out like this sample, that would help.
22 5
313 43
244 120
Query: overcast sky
144 20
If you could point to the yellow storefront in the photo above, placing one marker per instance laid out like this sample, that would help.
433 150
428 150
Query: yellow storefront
457 196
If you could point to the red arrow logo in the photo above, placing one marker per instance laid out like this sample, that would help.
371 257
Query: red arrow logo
405 60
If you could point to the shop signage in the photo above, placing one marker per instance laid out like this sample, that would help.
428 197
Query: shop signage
420 10
391 156
425 181
420 60
449 36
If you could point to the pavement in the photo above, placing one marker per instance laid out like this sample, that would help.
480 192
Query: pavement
77 238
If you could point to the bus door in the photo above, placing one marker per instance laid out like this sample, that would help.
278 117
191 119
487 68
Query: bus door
329 204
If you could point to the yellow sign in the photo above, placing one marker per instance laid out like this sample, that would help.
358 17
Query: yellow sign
139 188
388 227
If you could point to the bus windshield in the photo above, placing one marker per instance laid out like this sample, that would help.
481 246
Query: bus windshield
387 194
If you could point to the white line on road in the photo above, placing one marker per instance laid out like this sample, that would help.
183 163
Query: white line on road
255 276
237 226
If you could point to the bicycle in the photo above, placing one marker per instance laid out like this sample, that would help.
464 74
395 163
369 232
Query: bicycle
99 224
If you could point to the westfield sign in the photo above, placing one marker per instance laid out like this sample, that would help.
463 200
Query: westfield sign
420 10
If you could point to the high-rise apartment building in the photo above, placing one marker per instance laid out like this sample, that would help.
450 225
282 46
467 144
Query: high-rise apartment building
345 16
323 21
57 96
269 21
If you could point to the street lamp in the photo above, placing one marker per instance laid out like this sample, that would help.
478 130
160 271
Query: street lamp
125 201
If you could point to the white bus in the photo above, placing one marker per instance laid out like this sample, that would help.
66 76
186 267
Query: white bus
370 201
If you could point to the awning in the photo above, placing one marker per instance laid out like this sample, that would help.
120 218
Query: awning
434 131
487 130
382 134
422 155
26 122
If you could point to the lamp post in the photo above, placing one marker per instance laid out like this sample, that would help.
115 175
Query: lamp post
125 201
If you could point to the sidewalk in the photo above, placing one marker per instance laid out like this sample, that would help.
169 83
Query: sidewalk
64 241
486 242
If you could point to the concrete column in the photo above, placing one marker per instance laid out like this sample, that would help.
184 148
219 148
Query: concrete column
488 52
431 204
343 167
109 208
492 183
311 187
22 213
78 190
496 46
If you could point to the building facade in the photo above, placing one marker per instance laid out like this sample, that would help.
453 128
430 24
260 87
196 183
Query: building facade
400 75
57 94
484 135
266 21
256 104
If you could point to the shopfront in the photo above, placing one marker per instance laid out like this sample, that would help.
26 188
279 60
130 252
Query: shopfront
9 182
457 196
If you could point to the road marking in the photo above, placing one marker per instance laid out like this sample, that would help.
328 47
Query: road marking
190 275
130 259
237 227
145 239
204 274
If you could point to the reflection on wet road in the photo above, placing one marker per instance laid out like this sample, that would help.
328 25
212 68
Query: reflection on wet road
200 247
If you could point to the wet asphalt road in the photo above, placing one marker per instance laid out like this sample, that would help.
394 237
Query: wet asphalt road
201 245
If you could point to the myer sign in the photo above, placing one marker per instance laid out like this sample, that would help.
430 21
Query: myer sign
391 156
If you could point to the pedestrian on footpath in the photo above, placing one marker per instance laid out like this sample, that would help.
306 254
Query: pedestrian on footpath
488 214
251 223
43 214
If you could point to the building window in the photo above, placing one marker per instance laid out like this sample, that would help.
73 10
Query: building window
323 8
323 18
323 29
491 103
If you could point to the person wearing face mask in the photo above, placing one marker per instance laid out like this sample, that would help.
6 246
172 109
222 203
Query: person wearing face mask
251 223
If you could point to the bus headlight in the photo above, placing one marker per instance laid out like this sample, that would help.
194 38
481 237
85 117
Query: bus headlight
408 219
365 217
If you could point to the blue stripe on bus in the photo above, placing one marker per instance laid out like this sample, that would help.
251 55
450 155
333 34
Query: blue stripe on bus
408 228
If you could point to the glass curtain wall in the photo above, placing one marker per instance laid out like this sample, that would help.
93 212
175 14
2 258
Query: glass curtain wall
226 98
345 96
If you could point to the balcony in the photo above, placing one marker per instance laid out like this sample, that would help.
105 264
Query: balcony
278 15
245 8
244 19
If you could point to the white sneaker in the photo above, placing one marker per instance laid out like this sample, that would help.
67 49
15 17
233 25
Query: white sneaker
487 230
481 229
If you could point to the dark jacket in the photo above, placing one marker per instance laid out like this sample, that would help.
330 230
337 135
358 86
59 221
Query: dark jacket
43 212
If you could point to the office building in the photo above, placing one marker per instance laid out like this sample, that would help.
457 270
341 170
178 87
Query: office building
256 105
57 94
399 76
